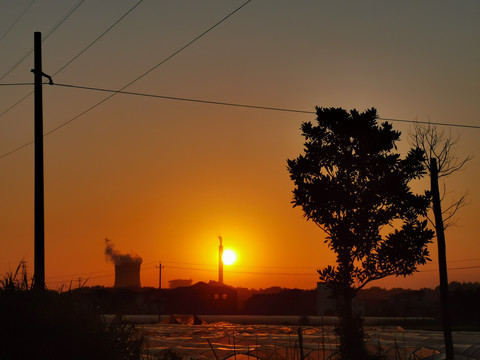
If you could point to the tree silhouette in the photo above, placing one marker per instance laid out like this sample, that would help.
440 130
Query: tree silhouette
441 161
352 184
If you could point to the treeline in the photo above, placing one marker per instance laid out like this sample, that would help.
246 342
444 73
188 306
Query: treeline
202 298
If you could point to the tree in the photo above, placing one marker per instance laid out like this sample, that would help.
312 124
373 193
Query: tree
441 161
436 144
352 184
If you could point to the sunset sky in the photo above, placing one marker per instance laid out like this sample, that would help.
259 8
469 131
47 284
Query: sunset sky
164 178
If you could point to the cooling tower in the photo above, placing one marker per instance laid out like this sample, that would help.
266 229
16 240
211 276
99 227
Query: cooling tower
127 274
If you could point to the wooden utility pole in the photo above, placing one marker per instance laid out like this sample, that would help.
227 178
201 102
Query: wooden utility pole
442 260
159 267
39 263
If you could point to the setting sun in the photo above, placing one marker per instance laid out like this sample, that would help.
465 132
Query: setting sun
229 257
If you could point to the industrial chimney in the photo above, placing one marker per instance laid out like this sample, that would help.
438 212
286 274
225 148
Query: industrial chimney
127 266
220 261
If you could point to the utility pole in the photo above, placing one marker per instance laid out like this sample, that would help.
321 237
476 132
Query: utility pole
159 267
39 264
442 260
39 211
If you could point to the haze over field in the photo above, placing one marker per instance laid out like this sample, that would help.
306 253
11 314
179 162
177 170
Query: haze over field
163 178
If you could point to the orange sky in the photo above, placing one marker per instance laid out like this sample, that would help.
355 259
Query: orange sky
164 179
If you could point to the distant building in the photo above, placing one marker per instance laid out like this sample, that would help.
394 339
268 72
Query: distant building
202 298
172 284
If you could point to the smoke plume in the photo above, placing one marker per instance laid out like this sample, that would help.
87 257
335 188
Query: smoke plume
113 255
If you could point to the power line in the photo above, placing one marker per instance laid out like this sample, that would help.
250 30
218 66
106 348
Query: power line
16 149
151 265
18 102
110 273
144 266
258 107
77 55
98 38
464 260
457 268
150 70
52 30
213 102
243 266
16 84
241 272
18 19
131 82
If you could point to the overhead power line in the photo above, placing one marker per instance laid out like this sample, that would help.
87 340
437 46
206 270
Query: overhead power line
128 84
110 273
455 268
211 102
52 30
17 19
131 82
15 104
249 106
78 54
149 70
244 272
99 37
17 84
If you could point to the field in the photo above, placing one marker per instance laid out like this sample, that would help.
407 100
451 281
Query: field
221 340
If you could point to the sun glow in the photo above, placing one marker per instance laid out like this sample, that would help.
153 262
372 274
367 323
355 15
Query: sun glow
229 257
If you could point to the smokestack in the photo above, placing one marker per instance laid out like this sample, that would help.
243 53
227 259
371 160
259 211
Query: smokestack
127 266
220 261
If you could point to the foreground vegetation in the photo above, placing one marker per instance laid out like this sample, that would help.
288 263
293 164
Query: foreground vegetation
52 325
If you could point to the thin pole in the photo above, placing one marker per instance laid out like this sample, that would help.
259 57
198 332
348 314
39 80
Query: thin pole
39 214
220 261
442 260
159 267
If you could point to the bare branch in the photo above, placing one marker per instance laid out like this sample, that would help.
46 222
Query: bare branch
437 144
450 212
431 221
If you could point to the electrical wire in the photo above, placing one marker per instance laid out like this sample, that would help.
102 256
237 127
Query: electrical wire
130 83
242 272
457 268
213 102
16 84
313 273
17 20
15 104
144 266
244 266
149 70
52 30
98 38
78 54
258 107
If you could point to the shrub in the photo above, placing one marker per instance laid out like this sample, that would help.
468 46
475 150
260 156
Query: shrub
51 325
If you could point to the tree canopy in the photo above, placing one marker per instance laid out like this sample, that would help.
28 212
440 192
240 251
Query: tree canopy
352 183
